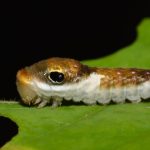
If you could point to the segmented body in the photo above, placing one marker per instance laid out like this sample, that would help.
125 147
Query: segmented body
121 84
55 79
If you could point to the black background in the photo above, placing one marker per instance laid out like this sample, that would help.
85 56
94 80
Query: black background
34 31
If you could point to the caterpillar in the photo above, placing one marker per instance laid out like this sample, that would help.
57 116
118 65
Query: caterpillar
55 79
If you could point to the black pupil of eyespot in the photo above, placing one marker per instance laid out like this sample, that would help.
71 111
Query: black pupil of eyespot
57 76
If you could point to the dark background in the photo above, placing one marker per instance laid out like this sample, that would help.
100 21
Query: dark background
31 32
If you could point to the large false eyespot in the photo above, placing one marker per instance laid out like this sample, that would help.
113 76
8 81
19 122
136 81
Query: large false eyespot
56 77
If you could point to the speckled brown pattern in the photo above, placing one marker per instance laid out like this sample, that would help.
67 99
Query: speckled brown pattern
119 77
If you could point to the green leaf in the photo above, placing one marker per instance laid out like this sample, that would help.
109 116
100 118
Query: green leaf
119 127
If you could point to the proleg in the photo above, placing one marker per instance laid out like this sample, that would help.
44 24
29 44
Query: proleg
56 79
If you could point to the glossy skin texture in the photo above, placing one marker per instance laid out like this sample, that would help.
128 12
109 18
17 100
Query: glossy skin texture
55 79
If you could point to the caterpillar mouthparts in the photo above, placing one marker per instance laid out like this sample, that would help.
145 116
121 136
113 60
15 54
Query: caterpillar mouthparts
55 79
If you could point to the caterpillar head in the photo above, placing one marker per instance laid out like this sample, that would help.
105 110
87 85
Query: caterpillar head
48 77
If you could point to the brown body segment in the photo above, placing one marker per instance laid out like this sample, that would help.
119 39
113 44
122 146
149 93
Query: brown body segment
120 77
